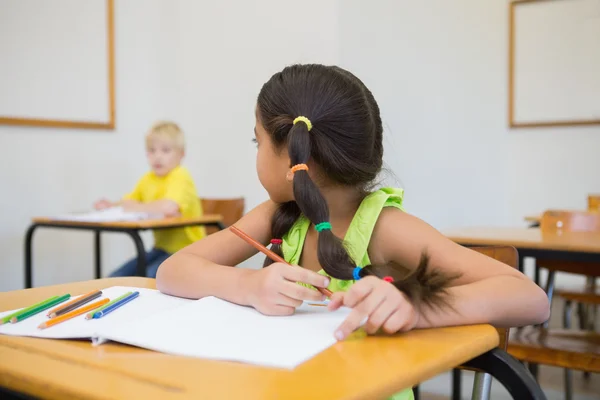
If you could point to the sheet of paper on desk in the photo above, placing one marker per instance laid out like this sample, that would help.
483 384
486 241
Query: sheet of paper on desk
148 302
108 215
215 329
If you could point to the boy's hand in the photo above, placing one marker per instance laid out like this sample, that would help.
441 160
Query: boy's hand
380 302
273 290
102 204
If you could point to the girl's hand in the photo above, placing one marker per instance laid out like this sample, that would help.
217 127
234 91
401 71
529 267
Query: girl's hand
380 302
273 290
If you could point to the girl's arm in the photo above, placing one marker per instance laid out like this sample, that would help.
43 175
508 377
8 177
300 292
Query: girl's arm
198 271
204 269
487 291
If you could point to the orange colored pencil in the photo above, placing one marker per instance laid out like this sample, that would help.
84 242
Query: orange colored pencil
272 255
73 313
64 308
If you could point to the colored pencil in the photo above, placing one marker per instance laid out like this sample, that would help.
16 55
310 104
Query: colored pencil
273 256
116 305
75 303
6 320
90 315
72 314
39 308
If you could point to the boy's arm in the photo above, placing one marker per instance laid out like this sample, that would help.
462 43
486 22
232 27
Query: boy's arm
167 207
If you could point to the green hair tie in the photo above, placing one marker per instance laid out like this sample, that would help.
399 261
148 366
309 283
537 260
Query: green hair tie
322 226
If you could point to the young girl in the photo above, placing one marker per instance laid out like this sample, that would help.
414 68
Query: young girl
319 137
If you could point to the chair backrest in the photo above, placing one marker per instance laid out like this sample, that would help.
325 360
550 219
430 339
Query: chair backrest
594 202
231 210
570 221
507 255
559 221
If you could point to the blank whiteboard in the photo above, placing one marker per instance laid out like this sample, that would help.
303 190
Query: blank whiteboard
554 72
57 63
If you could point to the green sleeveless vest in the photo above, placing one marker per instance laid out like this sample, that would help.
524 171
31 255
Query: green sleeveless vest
356 241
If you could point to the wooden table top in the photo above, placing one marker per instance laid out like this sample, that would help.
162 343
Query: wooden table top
367 368
531 238
140 224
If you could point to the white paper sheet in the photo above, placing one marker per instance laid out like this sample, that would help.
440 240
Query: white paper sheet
107 215
206 328
148 302
215 329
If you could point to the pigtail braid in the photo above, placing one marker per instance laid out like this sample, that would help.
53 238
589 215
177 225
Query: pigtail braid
282 221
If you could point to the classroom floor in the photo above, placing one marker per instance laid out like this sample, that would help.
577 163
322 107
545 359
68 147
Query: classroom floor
550 378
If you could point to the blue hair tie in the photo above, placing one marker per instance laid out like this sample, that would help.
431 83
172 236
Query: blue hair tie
356 273
323 226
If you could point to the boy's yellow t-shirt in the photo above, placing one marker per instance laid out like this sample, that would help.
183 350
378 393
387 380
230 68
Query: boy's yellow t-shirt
178 186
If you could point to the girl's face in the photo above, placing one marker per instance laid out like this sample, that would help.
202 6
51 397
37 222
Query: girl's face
272 166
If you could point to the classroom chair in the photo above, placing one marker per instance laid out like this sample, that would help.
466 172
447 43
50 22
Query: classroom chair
586 298
569 349
593 202
230 209
482 384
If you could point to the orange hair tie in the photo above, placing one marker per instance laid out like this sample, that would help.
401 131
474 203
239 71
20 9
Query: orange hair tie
299 167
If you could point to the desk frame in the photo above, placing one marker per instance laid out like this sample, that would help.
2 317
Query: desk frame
133 233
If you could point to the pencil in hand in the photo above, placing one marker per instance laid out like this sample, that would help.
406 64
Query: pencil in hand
272 255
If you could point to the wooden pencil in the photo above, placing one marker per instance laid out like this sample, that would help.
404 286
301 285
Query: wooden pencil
72 314
75 303
272 255
90 315
8 318
38 309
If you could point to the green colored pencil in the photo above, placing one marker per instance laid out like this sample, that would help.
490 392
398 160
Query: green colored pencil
39 309
90 315
6 320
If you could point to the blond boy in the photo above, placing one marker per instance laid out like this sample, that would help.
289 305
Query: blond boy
167 189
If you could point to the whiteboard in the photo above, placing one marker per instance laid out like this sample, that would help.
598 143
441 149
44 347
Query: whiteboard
57 63
555 63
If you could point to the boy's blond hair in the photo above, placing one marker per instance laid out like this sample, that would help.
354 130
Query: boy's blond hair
169 130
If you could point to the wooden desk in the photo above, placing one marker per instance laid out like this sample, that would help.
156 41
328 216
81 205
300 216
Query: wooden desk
369 368
532 242
131 228
528 238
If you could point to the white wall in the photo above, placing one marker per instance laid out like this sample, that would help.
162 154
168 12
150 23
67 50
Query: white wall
200 63
437 69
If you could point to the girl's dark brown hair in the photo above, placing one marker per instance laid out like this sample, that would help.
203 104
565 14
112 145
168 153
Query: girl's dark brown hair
346 142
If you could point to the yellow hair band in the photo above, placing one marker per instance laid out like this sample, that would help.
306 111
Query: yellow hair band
305 120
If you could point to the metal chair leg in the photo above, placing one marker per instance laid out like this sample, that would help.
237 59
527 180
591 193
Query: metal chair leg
567 315
456 384
510 373
482 386
568 384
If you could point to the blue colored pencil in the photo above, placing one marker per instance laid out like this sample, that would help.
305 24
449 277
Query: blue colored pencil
116 305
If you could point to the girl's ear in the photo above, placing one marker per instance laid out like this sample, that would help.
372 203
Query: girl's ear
289 176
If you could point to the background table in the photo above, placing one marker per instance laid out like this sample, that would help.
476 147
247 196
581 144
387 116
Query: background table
130 228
